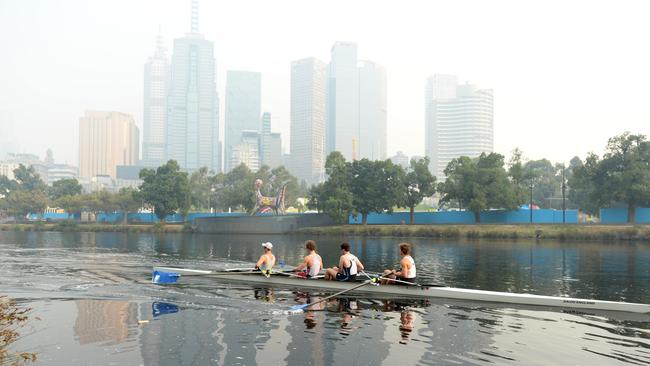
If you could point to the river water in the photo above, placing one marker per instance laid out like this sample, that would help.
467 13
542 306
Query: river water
95 305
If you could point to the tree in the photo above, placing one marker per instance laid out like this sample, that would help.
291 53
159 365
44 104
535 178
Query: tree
544 175
520 177
64 187
21 202
28 179
418 183
333 196
6 185
376 186
478 184
621 176
72 204
235 189
166 189
200 188
127 200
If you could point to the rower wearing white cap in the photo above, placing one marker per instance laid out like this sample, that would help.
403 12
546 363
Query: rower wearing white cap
267 260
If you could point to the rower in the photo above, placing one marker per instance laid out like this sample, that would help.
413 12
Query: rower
407 271
349 266
267 260
312 264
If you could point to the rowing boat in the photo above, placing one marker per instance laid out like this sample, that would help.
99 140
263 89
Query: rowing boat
412 292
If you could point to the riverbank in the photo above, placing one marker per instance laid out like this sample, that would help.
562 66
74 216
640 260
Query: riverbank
65 226
540 232
469 232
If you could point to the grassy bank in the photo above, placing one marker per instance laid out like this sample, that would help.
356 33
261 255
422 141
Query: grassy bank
93 227
541 232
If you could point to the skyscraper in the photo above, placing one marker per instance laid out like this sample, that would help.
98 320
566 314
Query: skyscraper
270 144
193 106
156 89
308 119
459 121
106 140
243 108
343 101
372 111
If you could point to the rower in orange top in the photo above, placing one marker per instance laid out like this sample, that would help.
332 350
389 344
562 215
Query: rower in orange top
312 264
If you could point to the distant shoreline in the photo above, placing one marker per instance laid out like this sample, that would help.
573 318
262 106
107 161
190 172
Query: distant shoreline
569 232
65 226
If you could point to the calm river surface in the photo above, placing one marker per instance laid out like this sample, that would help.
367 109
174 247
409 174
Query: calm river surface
96 305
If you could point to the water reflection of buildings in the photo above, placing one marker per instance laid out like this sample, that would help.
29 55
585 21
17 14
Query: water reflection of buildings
109 321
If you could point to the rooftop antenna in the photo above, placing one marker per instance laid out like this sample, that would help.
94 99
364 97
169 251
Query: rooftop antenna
195 16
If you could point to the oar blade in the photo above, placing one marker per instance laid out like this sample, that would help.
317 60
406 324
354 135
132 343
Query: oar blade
298 307
160 277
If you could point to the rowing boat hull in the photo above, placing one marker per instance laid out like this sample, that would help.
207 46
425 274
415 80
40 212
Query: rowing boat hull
418 292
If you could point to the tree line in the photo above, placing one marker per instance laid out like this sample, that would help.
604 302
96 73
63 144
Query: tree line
166 190
620 177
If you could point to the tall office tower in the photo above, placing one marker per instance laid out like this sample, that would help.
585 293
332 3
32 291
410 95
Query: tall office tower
106 140
156 89
459 121
270 144
308 119
372 111
343 101
243 108
193 112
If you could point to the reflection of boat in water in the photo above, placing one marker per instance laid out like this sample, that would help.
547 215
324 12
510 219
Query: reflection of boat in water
412 292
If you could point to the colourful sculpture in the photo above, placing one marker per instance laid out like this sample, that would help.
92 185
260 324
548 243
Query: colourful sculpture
265 204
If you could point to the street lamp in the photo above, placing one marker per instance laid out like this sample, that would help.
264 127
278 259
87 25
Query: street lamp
530 205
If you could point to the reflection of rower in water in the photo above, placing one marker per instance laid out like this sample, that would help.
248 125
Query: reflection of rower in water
407 272
312 264
406 318
267 260
349 266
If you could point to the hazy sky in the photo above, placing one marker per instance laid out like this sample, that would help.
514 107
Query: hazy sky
566 74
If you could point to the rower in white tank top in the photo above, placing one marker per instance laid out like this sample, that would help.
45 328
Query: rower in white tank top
411 273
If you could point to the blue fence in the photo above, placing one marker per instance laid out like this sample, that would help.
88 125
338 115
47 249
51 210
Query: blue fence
619 215
466 217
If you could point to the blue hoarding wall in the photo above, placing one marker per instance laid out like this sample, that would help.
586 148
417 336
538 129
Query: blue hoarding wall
465 217
619 215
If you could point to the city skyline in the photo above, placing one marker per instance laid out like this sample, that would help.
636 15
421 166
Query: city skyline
522 67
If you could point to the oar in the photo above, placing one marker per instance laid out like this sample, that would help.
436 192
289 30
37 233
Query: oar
400 281
296 309
172 277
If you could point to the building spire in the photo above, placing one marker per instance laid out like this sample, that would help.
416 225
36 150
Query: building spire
195 16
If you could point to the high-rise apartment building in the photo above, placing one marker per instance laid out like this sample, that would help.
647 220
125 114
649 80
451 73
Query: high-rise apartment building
193 105
156 90
372 111
343 101
243 108
247 151
308 119
459 121
106 140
